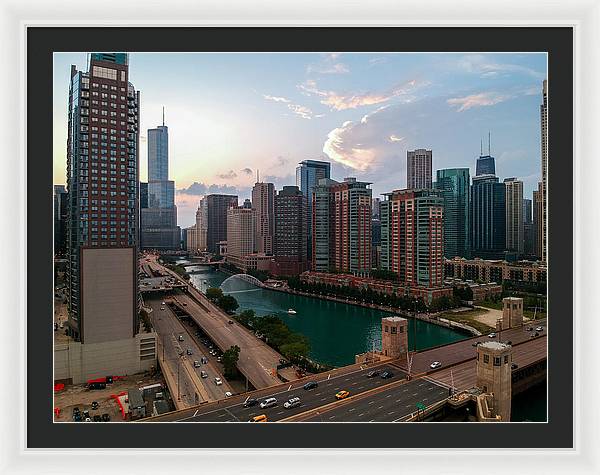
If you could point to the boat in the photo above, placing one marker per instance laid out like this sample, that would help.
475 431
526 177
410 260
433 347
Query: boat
291 311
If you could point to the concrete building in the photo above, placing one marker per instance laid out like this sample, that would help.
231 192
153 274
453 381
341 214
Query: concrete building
196 234
495 270
263 201
488 217
290 232
308 174
514 216
342 226
241 235
494 377
529 231
454 185
216 220
143 194
418 169
394 337
542 185
61 215
512 312
412 237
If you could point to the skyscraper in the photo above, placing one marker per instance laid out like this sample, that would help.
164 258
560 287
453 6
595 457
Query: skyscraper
342 226
488 217
412 236
454 185
216 219
528 229
159 219
418 169
289 245
543 185
514 216
241 235
308 174
263 201
61 214
143 194
486 164
102 179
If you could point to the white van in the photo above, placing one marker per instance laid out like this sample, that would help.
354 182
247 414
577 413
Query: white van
269 402
292 402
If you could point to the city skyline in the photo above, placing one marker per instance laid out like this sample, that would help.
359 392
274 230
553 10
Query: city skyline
361 112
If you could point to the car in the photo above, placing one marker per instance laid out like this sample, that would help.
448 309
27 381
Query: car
342 395
219 359
94 405
477 343
162 308
492 335
250 402
230 322
204 360
85 414
310 385
203 374
269 402
228 394
509 342
514 366
105 418
184 304
196 364
218 381
259 418
529 329
77 417
539 329
88 419
372 374
536 334
291 402
180 337
435 364
189 352
386 375
97 418
163 303
76 410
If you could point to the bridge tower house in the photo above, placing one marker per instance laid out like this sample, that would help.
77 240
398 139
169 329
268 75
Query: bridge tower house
394 337
494 375
512 312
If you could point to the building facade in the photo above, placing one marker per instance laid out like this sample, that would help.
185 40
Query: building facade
418 169
412 236
290 232
102 180
454 185
216 219
486 165
488 217
263 201
61 215
342 226
241 235
308 174
495 270
542 186
514 216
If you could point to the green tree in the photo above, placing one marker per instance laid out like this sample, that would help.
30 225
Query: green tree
214 293
230 360
228 303
295 351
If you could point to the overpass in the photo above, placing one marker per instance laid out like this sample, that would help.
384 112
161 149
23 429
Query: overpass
375 399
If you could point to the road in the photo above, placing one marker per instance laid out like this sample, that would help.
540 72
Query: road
168 327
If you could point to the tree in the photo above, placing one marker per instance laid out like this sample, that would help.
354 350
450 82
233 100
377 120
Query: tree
228 303
230 360
246 318
214 293
295 351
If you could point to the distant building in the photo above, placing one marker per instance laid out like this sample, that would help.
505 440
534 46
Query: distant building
290 232
342 226
241 235
542 186
143 194
412 237
376 203
495 270
486 165
418 169
454 185
216 221
247 203
514 216
263 201
529 235
375 243
488 217
308 174
61 214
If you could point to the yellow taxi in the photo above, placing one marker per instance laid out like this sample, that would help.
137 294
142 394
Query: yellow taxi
259 418
342 395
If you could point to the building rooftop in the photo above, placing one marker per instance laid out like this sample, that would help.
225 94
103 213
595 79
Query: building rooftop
394 319
494 345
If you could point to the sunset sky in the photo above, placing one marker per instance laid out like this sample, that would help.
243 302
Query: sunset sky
231 114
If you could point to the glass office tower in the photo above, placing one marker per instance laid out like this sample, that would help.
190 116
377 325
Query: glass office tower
454 185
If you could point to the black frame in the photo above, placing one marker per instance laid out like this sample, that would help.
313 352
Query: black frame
558 432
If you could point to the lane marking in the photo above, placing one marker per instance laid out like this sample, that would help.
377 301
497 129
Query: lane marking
195 412
353 409
372 402
361 414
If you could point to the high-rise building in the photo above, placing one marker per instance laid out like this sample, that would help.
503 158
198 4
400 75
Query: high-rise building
102 180
527 211
308 174
342 226
543 185
486 164
196 234
454 185
159 219
216 219
514 216
488 217
61 214
376 202
528 230
241 235
247 203
289 245
143 194
263 201
412 236
418 169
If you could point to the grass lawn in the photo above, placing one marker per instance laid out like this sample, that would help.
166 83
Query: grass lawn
468 318
526 313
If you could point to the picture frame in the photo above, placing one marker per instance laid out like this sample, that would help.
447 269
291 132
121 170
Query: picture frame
584 18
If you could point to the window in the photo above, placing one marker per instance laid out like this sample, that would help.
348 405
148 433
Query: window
386 329
506 359
393 330
497 361
106 73
486 358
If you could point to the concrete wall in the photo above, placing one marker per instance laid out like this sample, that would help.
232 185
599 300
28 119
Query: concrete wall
394 336
494 375
80 362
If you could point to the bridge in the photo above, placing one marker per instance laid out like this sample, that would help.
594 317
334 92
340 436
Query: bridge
244 277
377 399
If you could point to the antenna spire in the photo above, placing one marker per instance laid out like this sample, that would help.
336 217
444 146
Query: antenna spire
163 116
490 144
481 149
257 176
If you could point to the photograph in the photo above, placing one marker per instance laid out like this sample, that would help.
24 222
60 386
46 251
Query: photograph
326 237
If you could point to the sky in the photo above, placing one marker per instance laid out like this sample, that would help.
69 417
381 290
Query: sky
233 115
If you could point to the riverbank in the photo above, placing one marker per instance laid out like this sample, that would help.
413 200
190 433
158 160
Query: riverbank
433 318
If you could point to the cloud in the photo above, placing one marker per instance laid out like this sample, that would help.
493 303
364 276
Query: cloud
394 138
247 171
275 98
479 64
328 65
201 189
297 109
482 99
230 175
376 61
342 101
